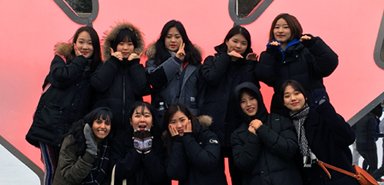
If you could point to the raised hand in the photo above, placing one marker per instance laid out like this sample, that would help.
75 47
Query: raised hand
254 125
235 54
181 53
116 54
90 140
133 56
188 127
173 130
251 57
305 38
274 43
77 51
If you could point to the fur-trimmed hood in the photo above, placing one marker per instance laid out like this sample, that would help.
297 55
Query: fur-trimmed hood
205 120
112 34
63 49
151 50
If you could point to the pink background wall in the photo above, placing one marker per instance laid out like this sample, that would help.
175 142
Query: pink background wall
29 29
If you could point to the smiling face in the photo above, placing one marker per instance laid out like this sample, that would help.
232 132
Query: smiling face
173 39
84 44
237 43
141 119
126 47
294 100
248 104
101 128
281 31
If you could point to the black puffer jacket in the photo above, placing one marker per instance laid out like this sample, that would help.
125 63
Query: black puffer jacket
329 137
194 159
66 99
267 157
219 76
139 169
120 83
306 62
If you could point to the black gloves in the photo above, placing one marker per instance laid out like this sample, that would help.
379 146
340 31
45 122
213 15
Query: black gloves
90 140
142 141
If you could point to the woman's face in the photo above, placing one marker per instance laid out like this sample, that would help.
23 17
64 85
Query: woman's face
237 43
84 44
125 47
294 100
248 104
141 119
180 121
101 128
281 31
173 39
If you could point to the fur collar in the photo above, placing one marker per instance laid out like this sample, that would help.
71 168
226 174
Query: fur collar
112 34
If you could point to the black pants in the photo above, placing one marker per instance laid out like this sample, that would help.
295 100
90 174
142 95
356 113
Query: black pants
370 160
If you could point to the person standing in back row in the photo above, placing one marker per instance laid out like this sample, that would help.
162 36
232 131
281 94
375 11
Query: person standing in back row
121 80
66 95
221 73
172 68
290 55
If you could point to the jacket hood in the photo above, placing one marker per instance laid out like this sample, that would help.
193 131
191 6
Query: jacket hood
205 120
112 34
262 112
63 49
151 50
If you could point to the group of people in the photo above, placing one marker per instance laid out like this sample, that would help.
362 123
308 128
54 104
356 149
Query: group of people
92 125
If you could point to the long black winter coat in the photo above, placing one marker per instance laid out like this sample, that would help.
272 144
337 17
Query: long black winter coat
194 159
220 75
329 137
67 99
306 62
120 83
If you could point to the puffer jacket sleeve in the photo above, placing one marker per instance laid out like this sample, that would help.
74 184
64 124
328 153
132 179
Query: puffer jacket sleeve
72 168
280 137
214 68
204 157
325 59
246 149
160 75
154 164
124 157
104 75
64 74
342 132
264 70
139 78
177 166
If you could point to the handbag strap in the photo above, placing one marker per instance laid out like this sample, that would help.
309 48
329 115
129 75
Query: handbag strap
324 166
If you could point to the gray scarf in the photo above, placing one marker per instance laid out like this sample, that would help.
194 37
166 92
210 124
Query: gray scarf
298 119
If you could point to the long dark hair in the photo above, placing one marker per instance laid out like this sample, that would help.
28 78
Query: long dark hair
103 113
234 31
96 56
192 55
